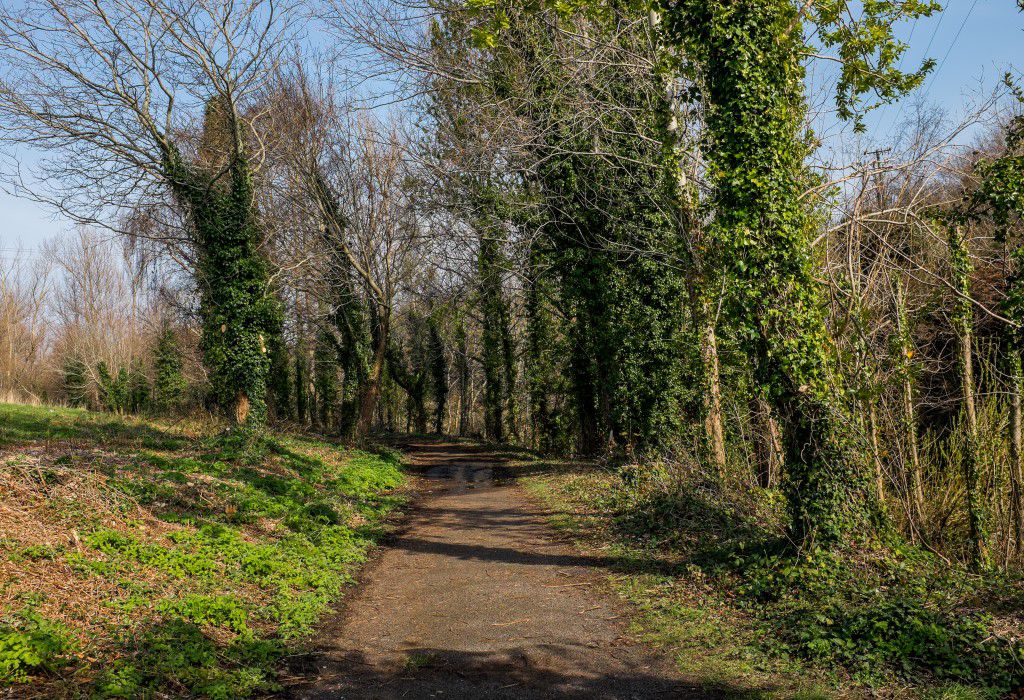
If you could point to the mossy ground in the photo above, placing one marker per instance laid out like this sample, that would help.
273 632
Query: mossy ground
141 557
712 580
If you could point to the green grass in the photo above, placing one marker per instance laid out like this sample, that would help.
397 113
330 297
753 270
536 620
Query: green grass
711 579
195 565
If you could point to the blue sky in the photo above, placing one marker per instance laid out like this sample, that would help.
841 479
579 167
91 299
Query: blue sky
973 40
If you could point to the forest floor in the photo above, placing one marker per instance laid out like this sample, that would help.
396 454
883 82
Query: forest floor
477 598
144 558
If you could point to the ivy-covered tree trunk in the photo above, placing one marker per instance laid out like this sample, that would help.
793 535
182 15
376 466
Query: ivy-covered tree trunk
352 339
542 372
584 377
508 358
963 324
371 389
438 374
494 315
1001 198
753 88
325 379
465 377
301 382
279 384
239 312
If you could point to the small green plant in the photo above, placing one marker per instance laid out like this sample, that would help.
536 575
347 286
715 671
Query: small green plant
29 643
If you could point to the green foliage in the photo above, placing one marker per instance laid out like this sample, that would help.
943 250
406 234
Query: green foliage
29 644
325 380
168 381
178 653
750 61
545 350
305 568
265 538
76 381
496 330
124 392
751 58
39 423
239 313
279 381
877 614
869 54
606 198
886 616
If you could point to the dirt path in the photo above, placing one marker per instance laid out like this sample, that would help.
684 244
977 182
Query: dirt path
475 599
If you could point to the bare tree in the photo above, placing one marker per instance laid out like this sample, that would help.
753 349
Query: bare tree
135 104
24 327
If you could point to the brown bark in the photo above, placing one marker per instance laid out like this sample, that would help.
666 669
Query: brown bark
241 408
1016 458
909 412
716 434
371 392
769 446
910 428
971 448
714 431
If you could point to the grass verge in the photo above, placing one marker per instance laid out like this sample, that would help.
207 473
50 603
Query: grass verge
142 559
711 579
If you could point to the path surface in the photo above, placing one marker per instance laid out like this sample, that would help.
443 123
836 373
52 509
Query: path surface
475 599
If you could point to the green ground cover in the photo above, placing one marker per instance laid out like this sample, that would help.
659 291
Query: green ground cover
140 557
711 577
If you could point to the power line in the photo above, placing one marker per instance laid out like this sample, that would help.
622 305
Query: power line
935 33
938 67
956 38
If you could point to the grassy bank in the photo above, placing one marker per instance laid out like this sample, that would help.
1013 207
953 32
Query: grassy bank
712 581
139 557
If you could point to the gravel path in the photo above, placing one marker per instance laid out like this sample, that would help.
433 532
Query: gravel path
476 599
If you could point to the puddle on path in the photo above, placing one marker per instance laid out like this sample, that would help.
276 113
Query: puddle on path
471 474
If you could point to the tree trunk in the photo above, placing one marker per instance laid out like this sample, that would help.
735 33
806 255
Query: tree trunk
465 391
963 321
712 385
371 392
1016 458
775 462
509 362
756 152
494 351
769 444
906 352
241 412
970 457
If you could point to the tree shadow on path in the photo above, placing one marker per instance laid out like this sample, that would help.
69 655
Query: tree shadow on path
531 672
